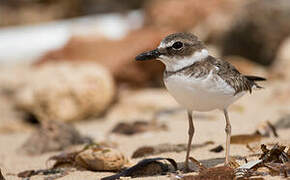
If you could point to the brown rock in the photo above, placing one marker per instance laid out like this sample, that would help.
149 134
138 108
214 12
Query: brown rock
171 13
53 136
258 31
116 55
66 91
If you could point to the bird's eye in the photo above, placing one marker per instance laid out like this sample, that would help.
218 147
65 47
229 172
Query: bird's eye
177 45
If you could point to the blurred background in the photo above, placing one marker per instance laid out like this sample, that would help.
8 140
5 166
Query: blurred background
72 61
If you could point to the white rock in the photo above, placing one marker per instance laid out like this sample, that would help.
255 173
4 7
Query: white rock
66 91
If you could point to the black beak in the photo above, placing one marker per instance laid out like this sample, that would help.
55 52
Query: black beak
148 55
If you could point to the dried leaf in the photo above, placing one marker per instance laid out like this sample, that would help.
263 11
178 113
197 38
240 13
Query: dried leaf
217 149
162 148
137 127
64 159
1 176
245 138
275 155
198 164
250 148
57 171
266 128
233 163
273 128
215 173
28 173
146 167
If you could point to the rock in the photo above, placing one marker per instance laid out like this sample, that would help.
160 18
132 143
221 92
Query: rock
11 119
258 31
170 13
101 159
118 56
137 127
9 77
53 136
66 91
282 62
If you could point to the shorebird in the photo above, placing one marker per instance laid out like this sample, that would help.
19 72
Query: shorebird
199 81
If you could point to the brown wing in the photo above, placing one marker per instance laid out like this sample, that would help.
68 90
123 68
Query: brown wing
232 76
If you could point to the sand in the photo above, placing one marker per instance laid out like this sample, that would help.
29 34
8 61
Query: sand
246 115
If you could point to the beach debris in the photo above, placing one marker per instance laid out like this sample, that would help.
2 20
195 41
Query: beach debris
66 91
275 155
131 128
247 170
1 176
217 149
146 167
215 173
53 136
278 169
99 50
94 157
245 138
162 148
200 166
266 128
51 173
276 160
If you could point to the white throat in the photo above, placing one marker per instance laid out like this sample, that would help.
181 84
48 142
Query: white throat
174 64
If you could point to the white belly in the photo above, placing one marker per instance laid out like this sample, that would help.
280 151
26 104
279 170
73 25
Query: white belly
202 94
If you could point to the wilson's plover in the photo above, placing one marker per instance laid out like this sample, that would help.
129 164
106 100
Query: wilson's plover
199 81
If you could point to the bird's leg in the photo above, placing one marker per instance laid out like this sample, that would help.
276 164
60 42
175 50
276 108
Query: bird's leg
228 130
190 134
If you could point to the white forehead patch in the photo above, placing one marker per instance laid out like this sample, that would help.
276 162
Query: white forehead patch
165 45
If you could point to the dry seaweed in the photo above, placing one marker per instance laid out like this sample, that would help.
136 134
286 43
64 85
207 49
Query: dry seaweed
217 149
264 130
272 128
146 167
53 136
56 173
200 166
279 169
245 138
126 128
215 173
64 159
162 148
1 176
275 159
274 155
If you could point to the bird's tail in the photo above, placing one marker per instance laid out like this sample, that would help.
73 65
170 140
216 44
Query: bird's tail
256 78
